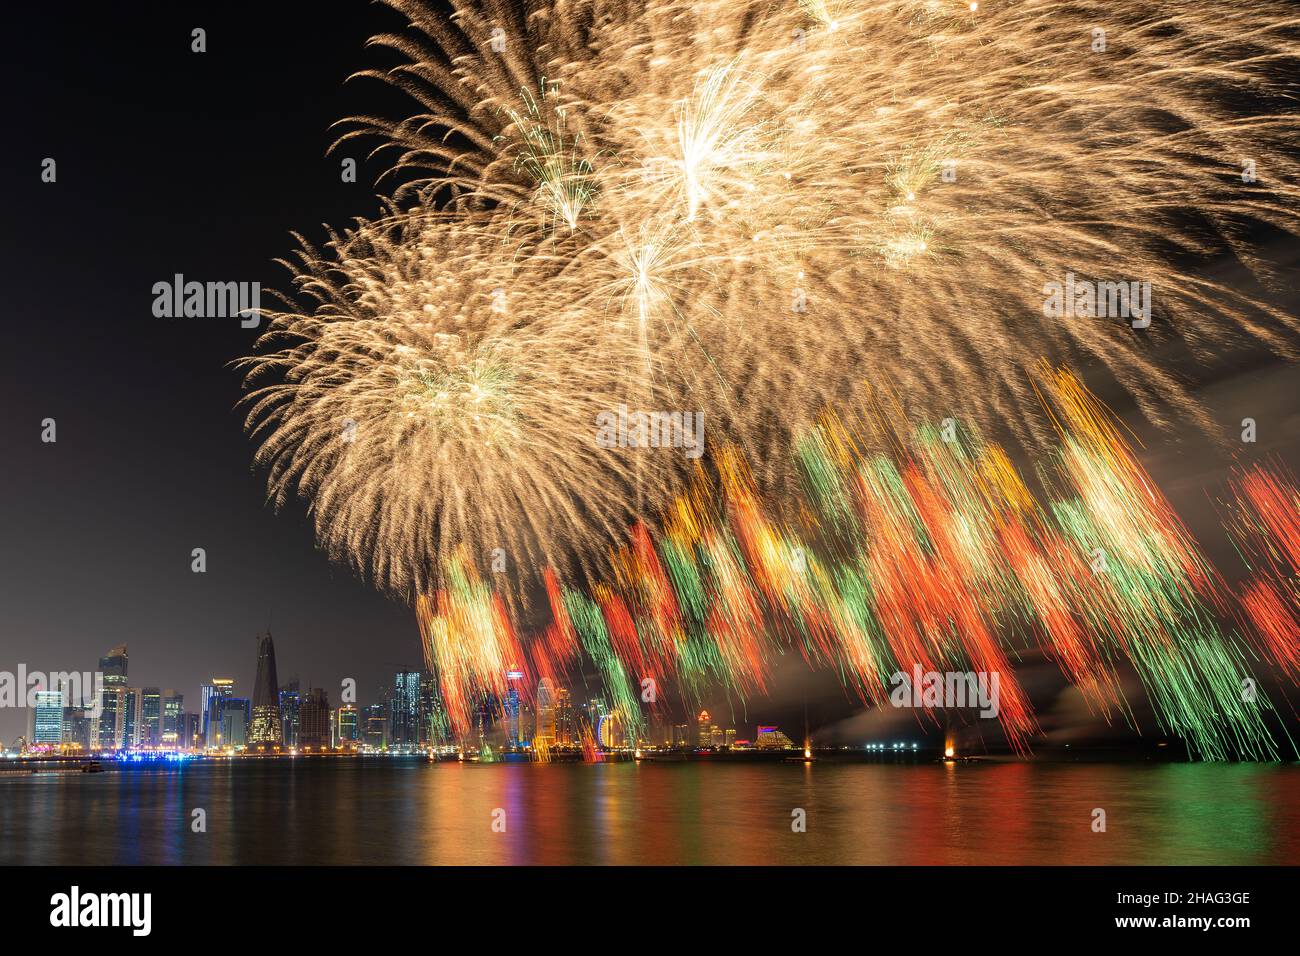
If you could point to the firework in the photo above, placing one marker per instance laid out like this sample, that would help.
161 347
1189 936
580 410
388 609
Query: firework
750 208
937 558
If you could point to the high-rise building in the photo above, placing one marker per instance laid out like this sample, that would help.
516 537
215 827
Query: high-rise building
374 730
149 730
47 720
347 726
173 716
404 712
314 721
130 718
566 731
233 725
546 712
510 711
108 731
290 704
190 736
681 735
211 696
704 730
266 731
76 728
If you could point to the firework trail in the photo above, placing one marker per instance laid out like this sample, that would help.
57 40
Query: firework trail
1266 530
744 207
751 208
938 558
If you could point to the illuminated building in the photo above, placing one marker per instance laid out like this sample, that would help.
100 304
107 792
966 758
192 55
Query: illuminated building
314 721
704 730
48 717
608 733
404 710
546 712
510 706
265 732
771 738
233 725
681 735
109 728
189 734
729 739
290 704
128 715
346 726
566 731
76 727
375 727
173 716
149 729
211 696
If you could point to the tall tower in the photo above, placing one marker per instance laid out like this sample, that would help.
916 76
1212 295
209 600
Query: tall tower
266 732
546 711
110 726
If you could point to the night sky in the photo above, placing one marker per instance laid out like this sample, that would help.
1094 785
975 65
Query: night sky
169 161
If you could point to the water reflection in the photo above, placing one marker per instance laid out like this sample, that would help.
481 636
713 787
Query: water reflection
392 811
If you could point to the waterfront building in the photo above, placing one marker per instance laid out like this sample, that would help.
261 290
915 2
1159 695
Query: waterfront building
265 732
173 715
109 726
314 721
149 728
771 738
404 710
77 727
374 731
546 712
211 696
47 718
704 730
232 727
566 729
290 705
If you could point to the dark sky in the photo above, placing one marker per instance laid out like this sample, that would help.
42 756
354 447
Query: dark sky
171 162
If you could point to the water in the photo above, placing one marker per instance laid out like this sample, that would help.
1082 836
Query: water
365 811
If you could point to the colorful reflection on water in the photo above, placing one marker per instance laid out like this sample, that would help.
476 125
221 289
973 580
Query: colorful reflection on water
366 811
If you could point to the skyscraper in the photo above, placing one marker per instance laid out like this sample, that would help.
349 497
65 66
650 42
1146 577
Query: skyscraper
48 718
290 704
405 710
233 726
314 721
76 728
266 731
150 729
108 734
346 726
211 695
566 731
510 708
128 718
375 729
704 730
173 717
546 712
